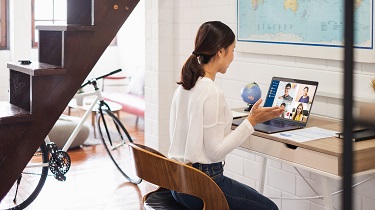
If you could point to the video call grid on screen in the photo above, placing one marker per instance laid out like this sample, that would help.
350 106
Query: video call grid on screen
291 94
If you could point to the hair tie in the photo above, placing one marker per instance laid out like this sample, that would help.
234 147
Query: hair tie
198 57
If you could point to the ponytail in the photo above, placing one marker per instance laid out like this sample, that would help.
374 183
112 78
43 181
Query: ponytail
211 37
190 72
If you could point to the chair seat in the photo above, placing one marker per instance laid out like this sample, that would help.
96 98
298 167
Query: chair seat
162 199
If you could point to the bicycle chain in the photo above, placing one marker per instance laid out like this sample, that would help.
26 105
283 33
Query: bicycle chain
59 162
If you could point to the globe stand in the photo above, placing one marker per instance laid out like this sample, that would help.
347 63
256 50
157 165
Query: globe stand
248 108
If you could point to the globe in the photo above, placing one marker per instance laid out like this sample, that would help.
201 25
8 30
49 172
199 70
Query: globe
250 94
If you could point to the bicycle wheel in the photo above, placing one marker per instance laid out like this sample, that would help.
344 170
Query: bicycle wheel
29 184
115 139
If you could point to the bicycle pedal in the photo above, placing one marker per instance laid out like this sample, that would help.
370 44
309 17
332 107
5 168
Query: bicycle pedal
60 178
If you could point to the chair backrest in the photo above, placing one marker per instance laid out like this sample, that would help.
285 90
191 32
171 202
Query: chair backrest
155 168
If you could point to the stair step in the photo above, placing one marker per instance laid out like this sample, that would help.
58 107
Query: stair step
13 114
66 27
36 68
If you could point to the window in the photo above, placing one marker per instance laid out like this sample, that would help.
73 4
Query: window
3 24
48 12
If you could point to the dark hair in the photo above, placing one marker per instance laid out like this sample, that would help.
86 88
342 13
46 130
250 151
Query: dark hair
283 104
295 113
211 37
288 85
306 88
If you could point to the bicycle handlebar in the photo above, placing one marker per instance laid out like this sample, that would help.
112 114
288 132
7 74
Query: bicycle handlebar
101 77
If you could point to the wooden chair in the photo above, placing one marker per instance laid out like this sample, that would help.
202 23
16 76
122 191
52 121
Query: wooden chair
155 168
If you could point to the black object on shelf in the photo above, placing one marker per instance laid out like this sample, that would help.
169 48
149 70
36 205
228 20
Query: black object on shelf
361 134
25 62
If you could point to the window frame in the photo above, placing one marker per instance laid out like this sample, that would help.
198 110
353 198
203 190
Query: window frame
4 42
35 43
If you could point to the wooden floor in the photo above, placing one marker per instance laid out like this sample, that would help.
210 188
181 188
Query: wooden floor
93 182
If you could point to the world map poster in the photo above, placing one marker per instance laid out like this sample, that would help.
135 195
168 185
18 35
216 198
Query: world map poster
287 27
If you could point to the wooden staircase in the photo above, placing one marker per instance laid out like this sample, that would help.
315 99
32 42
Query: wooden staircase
39 92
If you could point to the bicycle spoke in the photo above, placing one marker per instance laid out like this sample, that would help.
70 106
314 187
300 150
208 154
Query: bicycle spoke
27 187
113 133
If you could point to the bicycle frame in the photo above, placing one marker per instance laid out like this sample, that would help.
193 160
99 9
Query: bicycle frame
98 98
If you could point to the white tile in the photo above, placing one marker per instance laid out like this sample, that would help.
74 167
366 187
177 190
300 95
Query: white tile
311 63
282 180
368 203
368 69
274 164
182 3
356 200
183 31
228 173
304 190
273 194
335 65
244 153
366 189
295 170
297 204
315 206
235 164
252 169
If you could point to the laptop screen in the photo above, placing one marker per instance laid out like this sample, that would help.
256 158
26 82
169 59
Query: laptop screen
295 95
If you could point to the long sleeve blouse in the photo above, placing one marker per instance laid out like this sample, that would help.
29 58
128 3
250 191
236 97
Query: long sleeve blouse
200 125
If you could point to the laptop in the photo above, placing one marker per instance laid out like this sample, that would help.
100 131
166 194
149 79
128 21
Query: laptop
296 95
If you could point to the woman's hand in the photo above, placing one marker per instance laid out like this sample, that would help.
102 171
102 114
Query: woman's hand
261 114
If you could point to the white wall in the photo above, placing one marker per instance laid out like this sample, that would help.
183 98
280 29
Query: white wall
165 54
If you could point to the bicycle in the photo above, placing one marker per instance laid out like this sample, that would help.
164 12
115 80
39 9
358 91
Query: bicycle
114 136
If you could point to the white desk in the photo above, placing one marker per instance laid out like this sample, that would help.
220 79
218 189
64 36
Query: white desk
322 156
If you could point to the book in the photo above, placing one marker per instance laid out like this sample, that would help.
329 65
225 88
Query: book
360 135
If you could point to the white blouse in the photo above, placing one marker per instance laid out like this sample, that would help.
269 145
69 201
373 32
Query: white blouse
200 125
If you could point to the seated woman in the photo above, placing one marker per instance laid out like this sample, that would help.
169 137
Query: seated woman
200 119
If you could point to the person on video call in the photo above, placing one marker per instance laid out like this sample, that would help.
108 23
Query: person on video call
298 114
286 96
201 120
304 98
283 105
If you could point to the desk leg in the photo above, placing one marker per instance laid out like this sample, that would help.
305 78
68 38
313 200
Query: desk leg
327 194
262 175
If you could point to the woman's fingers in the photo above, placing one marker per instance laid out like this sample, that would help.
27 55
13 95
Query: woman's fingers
256 105
261 114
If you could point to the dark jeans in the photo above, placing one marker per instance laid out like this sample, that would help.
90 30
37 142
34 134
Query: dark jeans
238 195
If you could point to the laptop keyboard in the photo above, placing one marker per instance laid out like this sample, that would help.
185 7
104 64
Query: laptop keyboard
279 123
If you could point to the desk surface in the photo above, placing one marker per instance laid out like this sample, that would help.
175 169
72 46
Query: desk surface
363 151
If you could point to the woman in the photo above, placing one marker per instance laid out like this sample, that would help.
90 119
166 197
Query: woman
304 98
200 120
298 114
